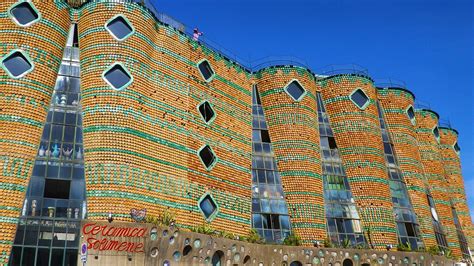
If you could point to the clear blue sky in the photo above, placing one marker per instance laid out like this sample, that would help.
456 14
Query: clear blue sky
426 43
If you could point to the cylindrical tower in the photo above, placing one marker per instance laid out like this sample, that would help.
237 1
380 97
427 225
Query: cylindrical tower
288 99
167 122
399 115
30 60
351 105
450 152
428 141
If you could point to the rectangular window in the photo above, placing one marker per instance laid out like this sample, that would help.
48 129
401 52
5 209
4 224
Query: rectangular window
56 189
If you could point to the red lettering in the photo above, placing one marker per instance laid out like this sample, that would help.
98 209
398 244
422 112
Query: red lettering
122 247
84 229
141 232
134 232
96 230
139 248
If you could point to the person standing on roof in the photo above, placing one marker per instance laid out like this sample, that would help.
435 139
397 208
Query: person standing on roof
196 34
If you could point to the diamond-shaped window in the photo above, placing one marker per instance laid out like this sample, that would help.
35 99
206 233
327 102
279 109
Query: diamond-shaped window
207 157
359 98
208 207
206 70
456 147
120 27
436 133
295 90
207 112
24 13
117 76
411 114
17 64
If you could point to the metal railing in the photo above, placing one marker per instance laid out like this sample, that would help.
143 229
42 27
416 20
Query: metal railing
270 61
390 83
251 66
335 69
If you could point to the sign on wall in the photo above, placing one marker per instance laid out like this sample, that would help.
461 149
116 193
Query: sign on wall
115 237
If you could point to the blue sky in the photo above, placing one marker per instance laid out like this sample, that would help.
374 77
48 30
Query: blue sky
428 44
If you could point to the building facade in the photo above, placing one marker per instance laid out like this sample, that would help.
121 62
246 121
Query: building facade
109 110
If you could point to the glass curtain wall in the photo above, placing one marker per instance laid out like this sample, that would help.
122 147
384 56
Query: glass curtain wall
48 229
408 228
438 228
269 211
342 218
461 237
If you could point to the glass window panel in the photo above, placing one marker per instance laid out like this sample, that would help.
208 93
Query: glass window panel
17 64
359 98
255 205
257 221
119 27
208 206
117 77
31 234
57 133
206 70
29 255
43 257
295 90
57 256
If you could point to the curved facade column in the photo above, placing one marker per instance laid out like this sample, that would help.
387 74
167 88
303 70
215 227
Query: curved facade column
358 137
24 103
171 138
426 126
293 129
450 152
396 102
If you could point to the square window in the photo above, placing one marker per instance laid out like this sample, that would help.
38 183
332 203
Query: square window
207 112
295 90
206 70
24 13
359 98
207 156
208 207
117 76
56 189
17 64
411 114
119 27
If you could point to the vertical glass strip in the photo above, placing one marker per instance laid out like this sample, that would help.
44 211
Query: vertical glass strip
438 228
342 218
269 210
461 237
408 228
49 227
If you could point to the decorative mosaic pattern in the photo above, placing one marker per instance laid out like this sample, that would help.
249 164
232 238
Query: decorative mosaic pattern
141 143
453 175
395 102
358 137
158 117
292 126
269 210
23 105
432 162
408 229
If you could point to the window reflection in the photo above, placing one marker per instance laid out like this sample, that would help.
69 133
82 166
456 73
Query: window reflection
270 214
55 198
341 214
407 225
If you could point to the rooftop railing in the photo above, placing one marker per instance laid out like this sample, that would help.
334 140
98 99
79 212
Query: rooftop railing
390 83
334 69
